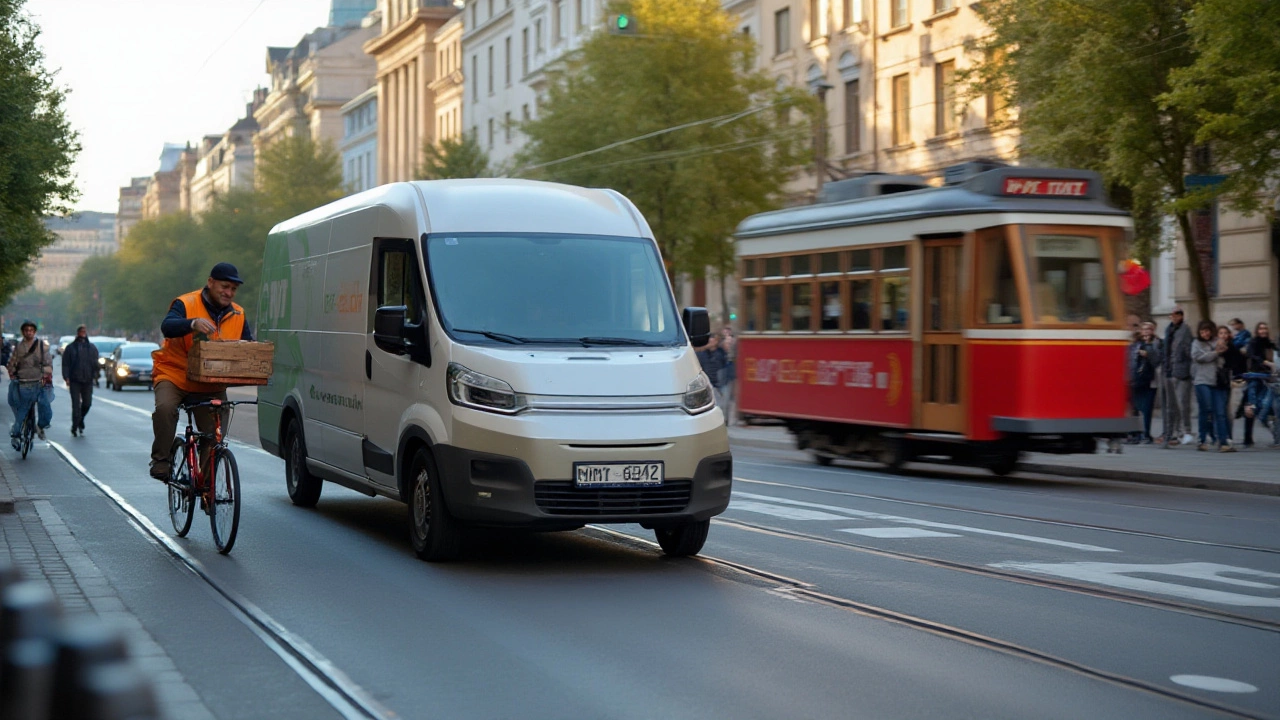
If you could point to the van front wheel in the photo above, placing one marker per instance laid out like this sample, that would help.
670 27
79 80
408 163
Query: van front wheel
436 537
684 539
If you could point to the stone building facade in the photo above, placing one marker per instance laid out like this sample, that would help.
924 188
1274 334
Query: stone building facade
164 193
129 206
405 51
226 161
80 237
360 142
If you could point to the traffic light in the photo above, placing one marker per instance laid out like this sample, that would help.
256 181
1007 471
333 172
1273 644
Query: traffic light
622 24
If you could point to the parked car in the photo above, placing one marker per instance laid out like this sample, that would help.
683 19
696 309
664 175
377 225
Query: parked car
105 346
130 364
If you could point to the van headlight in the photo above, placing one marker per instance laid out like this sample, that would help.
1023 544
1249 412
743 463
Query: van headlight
699 397
474 390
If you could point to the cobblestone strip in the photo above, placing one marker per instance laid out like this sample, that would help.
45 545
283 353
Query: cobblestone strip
41 545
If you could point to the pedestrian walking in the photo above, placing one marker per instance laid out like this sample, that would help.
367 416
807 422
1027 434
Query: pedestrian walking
1240 336
1233 367
711 357
1212 385
729 373
79 369
1258 405
1177 367
1145 355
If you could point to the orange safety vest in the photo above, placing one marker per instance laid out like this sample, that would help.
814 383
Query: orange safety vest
170 361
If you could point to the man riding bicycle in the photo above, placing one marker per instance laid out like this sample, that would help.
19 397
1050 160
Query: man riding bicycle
30 372
205 314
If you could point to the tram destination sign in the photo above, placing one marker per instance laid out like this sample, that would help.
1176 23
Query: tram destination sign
1045 187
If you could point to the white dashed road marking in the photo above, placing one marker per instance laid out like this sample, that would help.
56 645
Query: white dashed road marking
1121 575
898 532
1215 684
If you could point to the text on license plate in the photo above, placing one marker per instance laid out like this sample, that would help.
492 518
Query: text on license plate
617 474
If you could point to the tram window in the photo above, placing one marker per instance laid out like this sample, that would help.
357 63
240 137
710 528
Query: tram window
998 286
860 261
895 258
829 262
1067 279
895 302
831 307
773 307
859 304
773 267
749 269
749 308
801 307
800 265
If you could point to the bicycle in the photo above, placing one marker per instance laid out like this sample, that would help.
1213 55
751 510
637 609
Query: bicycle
215 483
27 433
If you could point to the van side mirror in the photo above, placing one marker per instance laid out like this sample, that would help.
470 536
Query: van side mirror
697 323
388 328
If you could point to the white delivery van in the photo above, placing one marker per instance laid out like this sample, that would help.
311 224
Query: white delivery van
492 353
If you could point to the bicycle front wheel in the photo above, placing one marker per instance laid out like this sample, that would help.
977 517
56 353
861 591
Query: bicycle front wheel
28 434
225 517
181 505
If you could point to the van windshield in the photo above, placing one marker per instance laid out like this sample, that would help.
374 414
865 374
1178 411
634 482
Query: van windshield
551 289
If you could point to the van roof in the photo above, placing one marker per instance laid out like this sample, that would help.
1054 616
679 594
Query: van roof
493 205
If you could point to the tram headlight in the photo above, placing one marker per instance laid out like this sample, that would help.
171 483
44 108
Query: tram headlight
699 396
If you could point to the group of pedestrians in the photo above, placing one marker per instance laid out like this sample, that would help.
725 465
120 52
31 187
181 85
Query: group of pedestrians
1230 371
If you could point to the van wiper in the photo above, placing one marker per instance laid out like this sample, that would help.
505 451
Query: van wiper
500 337
618 341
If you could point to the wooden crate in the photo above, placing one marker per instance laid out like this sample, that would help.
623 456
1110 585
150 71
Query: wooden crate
230 363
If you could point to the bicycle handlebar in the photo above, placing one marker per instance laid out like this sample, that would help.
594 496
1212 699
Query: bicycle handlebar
216 403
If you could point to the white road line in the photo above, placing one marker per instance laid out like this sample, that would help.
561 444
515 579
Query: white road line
922 523
341 692
898 532
1116 575
782 511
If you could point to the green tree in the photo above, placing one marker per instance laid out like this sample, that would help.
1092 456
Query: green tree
89 294
37 148
1233 90
671 118
1089 78
296 174
454 158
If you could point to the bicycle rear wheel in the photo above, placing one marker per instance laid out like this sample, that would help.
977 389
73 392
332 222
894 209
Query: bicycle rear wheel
181 499
225 517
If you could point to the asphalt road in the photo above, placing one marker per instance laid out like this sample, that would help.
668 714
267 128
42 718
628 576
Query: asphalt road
836 592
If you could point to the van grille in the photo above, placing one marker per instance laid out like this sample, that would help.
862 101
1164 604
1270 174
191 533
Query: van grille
561 497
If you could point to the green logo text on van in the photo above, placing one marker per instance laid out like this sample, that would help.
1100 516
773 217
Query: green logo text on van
350 402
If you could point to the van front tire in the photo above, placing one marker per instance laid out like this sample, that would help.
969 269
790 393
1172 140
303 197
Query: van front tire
684 539
304 488
435 535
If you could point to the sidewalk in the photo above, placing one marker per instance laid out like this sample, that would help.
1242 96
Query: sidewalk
1255 471
36 541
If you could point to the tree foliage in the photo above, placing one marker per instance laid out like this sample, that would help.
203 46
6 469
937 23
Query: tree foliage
1133 89
454 158
37 148
166 256
672 118
1233 90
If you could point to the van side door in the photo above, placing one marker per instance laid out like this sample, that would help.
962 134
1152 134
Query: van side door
393 378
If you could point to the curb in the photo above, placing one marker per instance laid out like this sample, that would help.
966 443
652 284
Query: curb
1150 478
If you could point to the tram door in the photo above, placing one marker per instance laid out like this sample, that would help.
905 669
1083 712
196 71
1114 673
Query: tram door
942 391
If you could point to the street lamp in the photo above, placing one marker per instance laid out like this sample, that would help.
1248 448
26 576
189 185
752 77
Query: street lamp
820 86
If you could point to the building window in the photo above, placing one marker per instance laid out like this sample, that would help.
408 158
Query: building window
898 13
782 31
490 68
475 78
941 6
851 13
996 101
901 110
506 71
490 133
524 51
524 112
537 35
475 14
558 25
944 96
852 118
581 16
507 126
817 19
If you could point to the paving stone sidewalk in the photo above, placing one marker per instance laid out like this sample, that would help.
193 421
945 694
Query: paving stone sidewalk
1255 470
44 549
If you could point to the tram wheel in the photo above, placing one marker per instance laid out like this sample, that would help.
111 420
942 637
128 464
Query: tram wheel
893 453
822 458
1004 463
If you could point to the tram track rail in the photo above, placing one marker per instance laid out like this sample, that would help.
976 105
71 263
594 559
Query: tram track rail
804 591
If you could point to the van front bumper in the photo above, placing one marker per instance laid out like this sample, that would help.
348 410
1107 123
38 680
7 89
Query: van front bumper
530 484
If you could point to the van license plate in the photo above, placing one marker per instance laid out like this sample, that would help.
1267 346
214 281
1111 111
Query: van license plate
618 474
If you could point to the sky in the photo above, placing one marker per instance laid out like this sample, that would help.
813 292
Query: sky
145 72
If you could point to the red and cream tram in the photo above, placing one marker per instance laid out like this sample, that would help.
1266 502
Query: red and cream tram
967 323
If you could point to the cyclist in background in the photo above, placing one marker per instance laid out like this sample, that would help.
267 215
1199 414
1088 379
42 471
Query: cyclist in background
31 374
205 314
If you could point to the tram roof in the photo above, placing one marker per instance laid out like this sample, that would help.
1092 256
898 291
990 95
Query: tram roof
1000 190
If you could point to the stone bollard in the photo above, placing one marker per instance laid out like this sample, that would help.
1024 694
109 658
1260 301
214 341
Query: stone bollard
118 691
83 644
28 617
